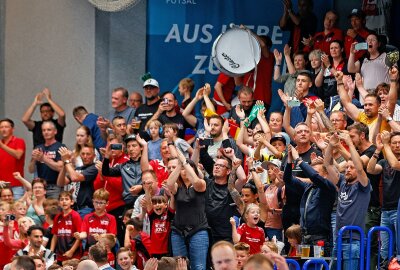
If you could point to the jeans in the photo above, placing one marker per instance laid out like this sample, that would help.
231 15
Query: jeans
372 219
333 225
350 258
389 220
270 233
18 192
198 248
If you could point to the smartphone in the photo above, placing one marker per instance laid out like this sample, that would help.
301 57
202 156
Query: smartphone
10 217
206 142
165 100
361 46
293 103
116 146
110 131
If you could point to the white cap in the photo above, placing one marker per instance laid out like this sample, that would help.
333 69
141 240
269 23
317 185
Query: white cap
151 82
275 162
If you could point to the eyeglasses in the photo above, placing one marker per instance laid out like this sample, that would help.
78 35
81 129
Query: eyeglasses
220 166
99 203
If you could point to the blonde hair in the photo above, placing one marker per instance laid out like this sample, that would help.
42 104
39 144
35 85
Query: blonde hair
108 240
248 208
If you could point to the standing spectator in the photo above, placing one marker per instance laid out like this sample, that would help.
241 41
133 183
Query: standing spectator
47 113
12 156
166 113
82 138
378 15
189 228
155 131
353 197
223 92
301 25
46 160
89 120
130 171
145 111
389 170
119 99
116 204
65 225
357 32
321 40
185 88
373 67
82 177
135 100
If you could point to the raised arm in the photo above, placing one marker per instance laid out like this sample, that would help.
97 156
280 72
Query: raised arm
391 158
187 112
235 195
278 63
352 65
174 175
27 185
199 184
373 167
333 173
288 59
26 118
351 109
218 89
207 91
57 108
392 96
355 157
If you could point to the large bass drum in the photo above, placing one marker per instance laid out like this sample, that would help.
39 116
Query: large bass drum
236 52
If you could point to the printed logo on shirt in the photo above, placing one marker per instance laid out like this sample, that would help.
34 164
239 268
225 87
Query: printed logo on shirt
97 230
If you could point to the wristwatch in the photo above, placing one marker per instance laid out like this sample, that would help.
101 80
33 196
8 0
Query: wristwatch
67 162
388 119
297 160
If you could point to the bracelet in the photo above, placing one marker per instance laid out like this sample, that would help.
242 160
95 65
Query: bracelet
375 156
186 162
252 170
277 65
170 143
242 119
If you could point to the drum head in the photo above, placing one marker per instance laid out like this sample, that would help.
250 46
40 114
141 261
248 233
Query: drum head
236 52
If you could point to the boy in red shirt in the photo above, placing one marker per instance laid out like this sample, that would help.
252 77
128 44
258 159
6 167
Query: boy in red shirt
108 240
137 241
160 216
65 225
98 222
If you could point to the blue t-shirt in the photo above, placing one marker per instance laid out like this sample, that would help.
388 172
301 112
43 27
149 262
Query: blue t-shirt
45 171
154 148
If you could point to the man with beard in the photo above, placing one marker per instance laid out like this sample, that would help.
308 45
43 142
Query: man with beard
353 199
245 96
389 168
166 113
146 110
35 246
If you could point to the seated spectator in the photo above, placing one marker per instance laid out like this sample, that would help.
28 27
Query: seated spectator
242 251
294 236
108 241
137 241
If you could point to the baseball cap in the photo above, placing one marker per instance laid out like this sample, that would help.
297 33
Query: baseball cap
276 162
151 82
130 138
278 137
357 12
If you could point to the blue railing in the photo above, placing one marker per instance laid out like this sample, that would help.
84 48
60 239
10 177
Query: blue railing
317 263
294 263
369 239
340 242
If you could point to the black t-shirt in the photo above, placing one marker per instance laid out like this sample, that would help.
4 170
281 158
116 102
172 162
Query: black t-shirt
329 86
391 186
86 189
177 119
373 179
45 171
37 134
145 112
219 209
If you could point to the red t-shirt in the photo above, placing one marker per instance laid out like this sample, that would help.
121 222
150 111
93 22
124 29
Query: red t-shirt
263 90
140 256
160 231
94 224
160 169
348 40
113 185
228 86
111 259
255 237
64 228
10 164
6 252
322 41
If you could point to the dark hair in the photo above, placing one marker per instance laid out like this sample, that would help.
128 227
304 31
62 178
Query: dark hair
52 211
40 181
65 193
305 73
168 92
118 117
125 92
378 99
98 253
34 227
46 104
361 128
136 222
7 120
341 44
394 134
24 262
251 186
158 199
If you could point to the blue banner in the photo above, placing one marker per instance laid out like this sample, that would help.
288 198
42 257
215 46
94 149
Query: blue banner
180 35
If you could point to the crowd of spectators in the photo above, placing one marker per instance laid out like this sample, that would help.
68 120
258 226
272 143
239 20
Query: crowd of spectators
157 184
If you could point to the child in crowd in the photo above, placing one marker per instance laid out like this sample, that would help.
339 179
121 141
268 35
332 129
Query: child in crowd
65 225
154 145
108 240
137 241
50 212
127 215
269 246
242 251
171 133
160 215
293 234
249 232
185 87
6 252
19 209
125 259
97 222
